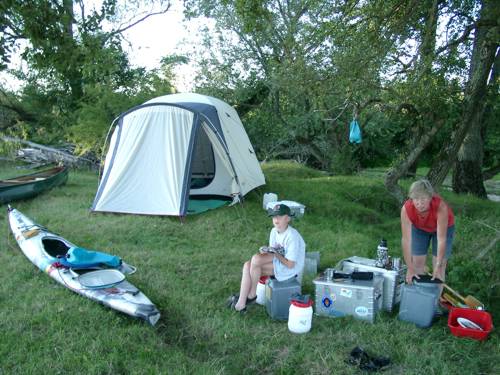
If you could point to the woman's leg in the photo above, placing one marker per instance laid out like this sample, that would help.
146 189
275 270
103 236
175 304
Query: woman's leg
420 241
259 265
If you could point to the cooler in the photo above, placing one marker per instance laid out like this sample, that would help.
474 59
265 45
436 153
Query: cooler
393 278
340 297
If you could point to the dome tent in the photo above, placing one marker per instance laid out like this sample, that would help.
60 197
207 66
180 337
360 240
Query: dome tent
173 150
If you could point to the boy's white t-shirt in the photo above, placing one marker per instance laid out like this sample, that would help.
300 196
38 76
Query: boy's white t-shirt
295 250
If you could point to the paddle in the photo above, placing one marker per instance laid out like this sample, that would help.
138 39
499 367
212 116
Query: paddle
470 301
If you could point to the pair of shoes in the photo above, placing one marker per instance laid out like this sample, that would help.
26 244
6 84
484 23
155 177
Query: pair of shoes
359 357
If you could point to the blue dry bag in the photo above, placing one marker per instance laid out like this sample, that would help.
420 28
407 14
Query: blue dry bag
76 257
355 132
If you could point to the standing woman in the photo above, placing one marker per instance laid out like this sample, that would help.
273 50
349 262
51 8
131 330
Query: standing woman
425 217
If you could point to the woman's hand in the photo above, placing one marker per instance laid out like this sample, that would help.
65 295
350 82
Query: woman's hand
410 274
437 272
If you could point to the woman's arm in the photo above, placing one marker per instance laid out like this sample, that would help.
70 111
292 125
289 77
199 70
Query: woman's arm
442 228
406 245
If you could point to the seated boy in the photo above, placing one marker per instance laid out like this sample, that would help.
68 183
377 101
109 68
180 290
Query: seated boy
283 259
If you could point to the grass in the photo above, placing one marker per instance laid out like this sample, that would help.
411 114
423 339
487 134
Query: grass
189 269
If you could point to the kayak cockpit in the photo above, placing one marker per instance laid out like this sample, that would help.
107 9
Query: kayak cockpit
55 247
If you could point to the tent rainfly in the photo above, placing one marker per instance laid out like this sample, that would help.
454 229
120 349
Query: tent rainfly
173 151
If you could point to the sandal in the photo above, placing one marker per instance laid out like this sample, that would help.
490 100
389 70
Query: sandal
251 301
232 300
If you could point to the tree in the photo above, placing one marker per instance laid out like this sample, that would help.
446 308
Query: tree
73 64
486 42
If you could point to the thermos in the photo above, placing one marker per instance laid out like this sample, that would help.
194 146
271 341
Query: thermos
382 256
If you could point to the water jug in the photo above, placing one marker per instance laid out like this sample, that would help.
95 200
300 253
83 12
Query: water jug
300 316
261 290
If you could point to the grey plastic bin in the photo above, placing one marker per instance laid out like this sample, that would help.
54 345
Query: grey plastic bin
419 303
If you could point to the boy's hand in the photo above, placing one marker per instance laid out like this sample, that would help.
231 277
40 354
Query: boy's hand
264 249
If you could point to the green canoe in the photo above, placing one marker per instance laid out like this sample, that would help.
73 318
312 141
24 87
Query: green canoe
29 185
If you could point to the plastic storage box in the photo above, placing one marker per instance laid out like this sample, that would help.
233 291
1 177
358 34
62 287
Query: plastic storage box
359 298
278 295
419 303
479 317
393 278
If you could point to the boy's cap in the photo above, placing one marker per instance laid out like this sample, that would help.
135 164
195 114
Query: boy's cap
279 210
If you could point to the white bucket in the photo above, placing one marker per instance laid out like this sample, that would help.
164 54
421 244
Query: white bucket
261 290
268 197
300 317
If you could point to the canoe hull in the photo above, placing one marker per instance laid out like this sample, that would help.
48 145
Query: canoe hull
28 186
123 297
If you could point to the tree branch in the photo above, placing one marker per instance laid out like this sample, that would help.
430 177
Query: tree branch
121 30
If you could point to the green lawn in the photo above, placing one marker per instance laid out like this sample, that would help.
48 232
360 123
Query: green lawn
189 269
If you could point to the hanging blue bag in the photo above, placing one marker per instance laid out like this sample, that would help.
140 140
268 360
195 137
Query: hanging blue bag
355 132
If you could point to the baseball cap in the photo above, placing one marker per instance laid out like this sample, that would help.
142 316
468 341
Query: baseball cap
279 210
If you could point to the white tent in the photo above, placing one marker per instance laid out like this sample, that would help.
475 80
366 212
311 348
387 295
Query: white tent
172 149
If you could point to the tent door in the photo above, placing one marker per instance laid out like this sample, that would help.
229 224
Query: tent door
203 161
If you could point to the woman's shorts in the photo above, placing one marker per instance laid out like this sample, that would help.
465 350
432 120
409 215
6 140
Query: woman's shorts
421 239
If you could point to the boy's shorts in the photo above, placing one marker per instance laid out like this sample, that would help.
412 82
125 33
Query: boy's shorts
420 240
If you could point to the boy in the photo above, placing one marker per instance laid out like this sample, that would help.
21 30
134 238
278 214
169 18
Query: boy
283 259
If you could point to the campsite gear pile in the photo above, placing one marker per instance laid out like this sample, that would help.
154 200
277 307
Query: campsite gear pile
393 274
97 276
300 314
174 155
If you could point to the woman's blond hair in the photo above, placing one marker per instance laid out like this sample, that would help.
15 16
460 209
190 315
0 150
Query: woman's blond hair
421 188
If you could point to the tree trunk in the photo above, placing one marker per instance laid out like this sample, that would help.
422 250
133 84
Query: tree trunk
468 176
400 170
420 137
483 55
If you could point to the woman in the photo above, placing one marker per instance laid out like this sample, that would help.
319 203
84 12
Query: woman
425 217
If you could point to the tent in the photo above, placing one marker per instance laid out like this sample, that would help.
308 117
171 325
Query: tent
174 155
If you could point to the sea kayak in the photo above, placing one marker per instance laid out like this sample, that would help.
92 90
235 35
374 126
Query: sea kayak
45 250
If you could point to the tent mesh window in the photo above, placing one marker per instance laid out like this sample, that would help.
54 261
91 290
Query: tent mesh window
203 163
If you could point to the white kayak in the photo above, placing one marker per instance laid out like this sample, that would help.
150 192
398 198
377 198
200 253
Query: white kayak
106 286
